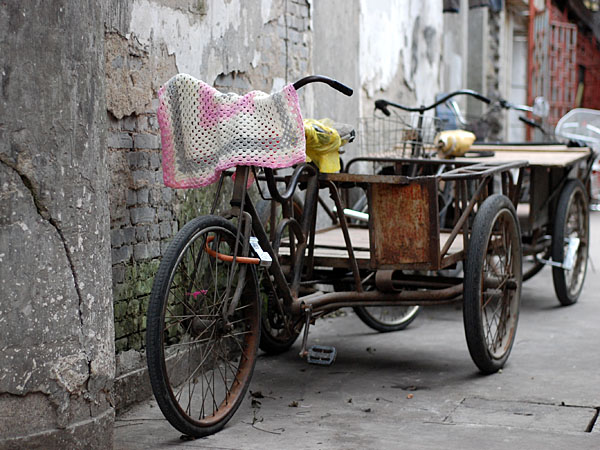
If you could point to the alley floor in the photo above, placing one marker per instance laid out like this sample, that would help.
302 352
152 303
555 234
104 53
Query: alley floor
418 388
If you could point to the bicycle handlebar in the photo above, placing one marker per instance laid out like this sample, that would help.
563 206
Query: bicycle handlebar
322 79
293 182
383 104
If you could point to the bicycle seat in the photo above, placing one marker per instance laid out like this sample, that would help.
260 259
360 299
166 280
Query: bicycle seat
204 131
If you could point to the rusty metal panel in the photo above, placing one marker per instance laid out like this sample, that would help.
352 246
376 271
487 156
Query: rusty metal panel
403 225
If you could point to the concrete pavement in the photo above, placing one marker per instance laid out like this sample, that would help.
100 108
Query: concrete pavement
418 388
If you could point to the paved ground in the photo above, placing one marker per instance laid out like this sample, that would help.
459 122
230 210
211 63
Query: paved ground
418 389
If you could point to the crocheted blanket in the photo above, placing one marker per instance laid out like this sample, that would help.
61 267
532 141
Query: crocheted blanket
204 131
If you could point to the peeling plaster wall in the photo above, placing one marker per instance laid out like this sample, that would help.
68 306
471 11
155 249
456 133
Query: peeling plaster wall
235 46
56 327
400 51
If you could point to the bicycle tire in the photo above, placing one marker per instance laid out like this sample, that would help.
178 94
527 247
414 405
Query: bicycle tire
189 340
376 317
492 284
572 219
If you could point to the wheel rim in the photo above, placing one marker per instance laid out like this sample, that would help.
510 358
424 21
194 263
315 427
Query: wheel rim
206 358
576 226
500 286
391 315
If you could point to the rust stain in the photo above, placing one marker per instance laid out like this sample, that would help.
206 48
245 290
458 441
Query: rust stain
401 223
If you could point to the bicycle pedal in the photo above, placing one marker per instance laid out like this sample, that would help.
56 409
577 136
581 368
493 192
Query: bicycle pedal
321 354
265 258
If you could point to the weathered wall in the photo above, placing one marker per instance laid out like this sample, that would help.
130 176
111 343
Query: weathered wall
400 51
56 321
235 46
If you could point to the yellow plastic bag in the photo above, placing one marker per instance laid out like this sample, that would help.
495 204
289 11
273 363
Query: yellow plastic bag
322 144
454 142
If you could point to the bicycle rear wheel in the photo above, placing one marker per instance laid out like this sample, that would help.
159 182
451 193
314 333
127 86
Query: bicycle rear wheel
200 358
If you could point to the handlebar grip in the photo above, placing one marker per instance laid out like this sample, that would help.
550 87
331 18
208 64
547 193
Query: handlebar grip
529 122
383 106
322 79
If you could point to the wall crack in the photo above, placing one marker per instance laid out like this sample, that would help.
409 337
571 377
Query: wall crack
44 213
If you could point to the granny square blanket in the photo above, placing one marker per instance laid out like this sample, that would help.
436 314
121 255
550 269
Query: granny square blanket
204 131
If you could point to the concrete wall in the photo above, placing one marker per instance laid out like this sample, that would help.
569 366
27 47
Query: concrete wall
81 168
400 51
235 46
56 319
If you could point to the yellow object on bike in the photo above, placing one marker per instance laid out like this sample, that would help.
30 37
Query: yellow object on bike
453 142
322 144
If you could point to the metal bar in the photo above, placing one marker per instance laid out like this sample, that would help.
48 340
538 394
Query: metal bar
275 269
353 264
481 169
464 216
310 209
373 298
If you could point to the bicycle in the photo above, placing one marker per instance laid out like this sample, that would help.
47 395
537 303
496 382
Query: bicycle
204 316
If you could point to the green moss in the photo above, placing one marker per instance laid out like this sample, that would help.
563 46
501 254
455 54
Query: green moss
120 310
133 308
120 329
135 342
121 345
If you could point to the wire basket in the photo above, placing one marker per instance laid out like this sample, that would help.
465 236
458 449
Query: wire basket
398 136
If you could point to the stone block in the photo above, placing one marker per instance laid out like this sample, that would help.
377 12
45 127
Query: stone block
164 214
167 195
133 308
142 178
135 341
143 287
138 160
122 291
144 306
165 229
141 233
116 238
120 309
153 123
129 123
121 345
146 141
143 214
118 274
155 160
121 254
142 195
140 252
120 329
119 140
154 232
128 235
131 197
155 195
154 249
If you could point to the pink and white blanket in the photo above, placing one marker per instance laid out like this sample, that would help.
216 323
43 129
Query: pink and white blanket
204 131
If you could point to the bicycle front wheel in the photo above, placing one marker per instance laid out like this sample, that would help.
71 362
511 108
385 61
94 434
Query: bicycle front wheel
200 356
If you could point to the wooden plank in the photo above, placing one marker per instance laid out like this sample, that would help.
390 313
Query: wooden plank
326 240
534 158
527 148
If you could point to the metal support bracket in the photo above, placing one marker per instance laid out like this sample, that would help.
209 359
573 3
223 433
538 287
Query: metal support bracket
569 258
265 258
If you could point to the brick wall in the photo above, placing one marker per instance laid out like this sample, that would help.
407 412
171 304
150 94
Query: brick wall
145 215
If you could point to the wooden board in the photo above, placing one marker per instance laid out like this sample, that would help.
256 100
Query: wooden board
535 155
330 248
